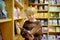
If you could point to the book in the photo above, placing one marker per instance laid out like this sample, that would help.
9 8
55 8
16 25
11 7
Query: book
59 15
45 15
55 22
41 1
42 22
52 1
44 29
58 37
58 22
36 1
50 22
17 27
52 29
51 37
37 29
57 29
3 12
52 8
1 36
58 1
16 13
44 37
45 7
40 7
46 1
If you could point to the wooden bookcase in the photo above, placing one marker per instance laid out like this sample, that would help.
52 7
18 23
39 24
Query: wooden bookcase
48 15
7 25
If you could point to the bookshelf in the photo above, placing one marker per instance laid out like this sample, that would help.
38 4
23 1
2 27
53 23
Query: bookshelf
50 13
7 25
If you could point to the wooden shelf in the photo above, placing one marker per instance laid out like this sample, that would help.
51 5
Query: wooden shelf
5 20
55 11
41 18
42 10
37 4
54 33
18 4
54 4
54 18
18 19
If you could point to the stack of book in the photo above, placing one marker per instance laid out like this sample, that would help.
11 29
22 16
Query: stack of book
16 13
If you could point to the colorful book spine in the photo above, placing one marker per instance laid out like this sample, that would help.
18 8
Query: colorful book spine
57 29
44 29
36 1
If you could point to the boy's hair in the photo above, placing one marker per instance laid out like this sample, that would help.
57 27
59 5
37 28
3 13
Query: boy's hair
31 11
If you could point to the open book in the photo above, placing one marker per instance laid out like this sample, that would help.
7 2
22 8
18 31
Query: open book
36 29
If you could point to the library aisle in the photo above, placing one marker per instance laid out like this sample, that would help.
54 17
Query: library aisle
12 16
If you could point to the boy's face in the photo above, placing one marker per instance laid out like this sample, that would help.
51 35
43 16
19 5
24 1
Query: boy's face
30 16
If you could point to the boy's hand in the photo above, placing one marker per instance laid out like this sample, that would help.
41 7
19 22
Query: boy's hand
30 36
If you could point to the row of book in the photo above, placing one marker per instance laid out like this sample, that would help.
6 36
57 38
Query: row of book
54 8
3 12
41 15
54 1
54 22
39 1
54 15
46 1
45 15
51 8
54 29
50 37
16 12
43 7
50 22
51 29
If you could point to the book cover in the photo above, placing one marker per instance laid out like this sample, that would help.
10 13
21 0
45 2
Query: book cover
40 7
57 29
46 2
52 29
50 22
51 37
58 37
44 37
45 7
36 1
59 22
44 29
58 1
45 15
42 22
55 22
41 1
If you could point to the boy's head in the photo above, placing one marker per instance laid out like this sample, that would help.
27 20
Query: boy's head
30 11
